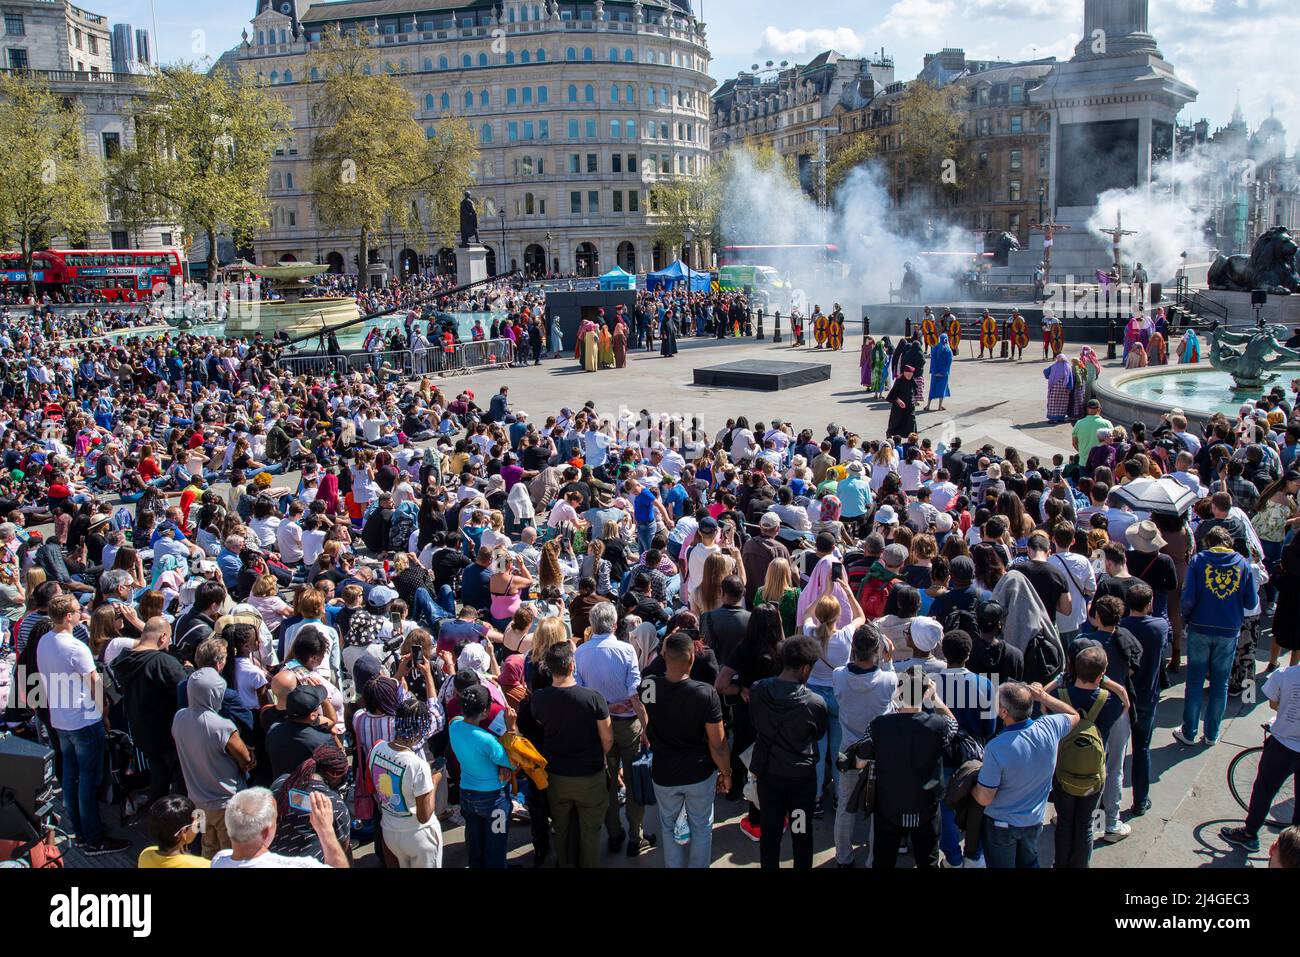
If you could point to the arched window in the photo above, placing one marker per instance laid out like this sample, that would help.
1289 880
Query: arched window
541 56
570 54
525 56
573 93
588 54
482 59
288 76
613 93
443 63
469 100
315 74
589 93
467 61
483 98
510 15
543 94
615 129
627 55
428 64
444 101
528 95
650 99
485 133
613 54
428 101
631 130
510 56
275 76
511 97
429 132
631 93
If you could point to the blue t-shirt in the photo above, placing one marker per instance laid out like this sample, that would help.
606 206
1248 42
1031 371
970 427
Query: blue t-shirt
675 499
643 506
1020 763
480 754
1083 700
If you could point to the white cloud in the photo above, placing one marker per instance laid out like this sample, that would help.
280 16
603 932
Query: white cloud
778 42
1028 9
912 18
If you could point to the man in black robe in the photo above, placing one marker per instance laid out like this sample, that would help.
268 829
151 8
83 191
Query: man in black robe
902 405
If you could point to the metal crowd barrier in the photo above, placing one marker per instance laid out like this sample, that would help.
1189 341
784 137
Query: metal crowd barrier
464 358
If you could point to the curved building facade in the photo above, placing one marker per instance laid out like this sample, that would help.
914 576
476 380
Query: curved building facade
578 108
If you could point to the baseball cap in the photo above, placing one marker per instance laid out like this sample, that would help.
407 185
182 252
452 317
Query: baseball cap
380 596
962 569
303 700
708 525
769 520
943 523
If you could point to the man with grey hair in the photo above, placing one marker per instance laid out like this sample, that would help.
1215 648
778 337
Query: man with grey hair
1019 766
116 586
250 820
609 666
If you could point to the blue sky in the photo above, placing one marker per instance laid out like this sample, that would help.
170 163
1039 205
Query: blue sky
1223 47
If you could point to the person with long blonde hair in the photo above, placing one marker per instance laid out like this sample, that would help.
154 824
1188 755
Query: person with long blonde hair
708 595
549 572
778 589
836 648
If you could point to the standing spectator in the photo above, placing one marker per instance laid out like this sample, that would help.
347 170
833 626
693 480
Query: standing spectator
691 759
1152 634
1280 761
577 735
789 721
251 818
71 688
1016 778
148 675
404 785
485 769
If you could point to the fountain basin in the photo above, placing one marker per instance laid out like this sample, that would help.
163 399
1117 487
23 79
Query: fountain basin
1143 395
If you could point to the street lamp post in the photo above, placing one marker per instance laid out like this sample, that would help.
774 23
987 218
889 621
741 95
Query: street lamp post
546 256
687 235
501 266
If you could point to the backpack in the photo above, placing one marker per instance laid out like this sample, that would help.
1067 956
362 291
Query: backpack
875 594
1044 658
399 531
1081 757
122 520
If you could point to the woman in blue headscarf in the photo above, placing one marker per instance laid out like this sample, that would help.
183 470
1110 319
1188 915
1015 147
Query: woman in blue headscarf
1190 350
940 366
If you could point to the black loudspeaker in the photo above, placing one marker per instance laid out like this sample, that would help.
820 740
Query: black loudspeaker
1258 297
26 780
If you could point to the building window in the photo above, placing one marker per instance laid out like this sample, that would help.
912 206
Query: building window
14 25
592 163
428 64
1017 93
528 129
1013 223
512 131
575 163
525 57
573 129
165 238
617 197
631 162
631 129
575 203
511 96
1014 191
443 63
112 145
616 163
543 129
573 93
1015 159
591 129
589 93
17 58
483 98
482 59
466 61
633 201
613 93
541 56
543 94
510 58
593 201
570 54
445 101
587 54
1016 121
485 133
615 130
119 239
528 96
469 100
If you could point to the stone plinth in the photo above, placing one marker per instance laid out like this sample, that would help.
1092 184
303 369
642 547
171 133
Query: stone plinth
471 264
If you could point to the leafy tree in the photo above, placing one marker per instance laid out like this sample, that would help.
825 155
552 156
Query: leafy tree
930 125
372 164
51 186
848 156
205 169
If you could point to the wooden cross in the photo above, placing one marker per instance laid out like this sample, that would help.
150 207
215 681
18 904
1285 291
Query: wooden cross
1115 233
1049 229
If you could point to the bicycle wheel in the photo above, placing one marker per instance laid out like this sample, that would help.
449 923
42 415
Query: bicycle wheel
1241 779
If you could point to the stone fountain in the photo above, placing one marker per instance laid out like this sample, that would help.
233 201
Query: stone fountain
296 310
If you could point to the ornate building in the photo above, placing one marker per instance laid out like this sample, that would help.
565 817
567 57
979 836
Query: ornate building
578 109
71 50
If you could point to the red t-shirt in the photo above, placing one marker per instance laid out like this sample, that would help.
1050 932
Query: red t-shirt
149 469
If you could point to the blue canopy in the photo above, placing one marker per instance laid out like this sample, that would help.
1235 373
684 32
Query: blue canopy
617 278
677 272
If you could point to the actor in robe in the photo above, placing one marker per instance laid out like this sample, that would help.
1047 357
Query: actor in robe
940 368
902 404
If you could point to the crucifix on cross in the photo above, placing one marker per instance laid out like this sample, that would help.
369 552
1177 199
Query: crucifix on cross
1116 233
1049 229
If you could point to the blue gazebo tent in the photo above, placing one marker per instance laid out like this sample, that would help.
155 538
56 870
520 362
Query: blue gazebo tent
617 278
675 273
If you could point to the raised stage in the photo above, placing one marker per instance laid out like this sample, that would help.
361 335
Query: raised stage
762 375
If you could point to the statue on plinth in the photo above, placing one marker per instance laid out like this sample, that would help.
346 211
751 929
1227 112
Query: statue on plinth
1270 266
468 221
911 287
1260 352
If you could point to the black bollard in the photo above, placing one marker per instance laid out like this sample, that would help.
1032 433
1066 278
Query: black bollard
907 327
1006 337
1110 342
866 326
760 325
776 326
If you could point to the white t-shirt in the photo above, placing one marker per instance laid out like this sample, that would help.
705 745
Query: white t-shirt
269 859
1283 686
65 665
288 542
742 444
265 530
838 649
399 778
695 560
1078 573
313 543
912 474
248 678
942 494
116 647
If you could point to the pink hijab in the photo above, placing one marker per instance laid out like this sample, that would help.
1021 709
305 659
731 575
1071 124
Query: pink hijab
327 492
816 587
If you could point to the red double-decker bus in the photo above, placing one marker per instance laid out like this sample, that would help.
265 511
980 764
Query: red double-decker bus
115 275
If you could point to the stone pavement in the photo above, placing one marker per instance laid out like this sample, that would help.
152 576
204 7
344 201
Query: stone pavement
999 401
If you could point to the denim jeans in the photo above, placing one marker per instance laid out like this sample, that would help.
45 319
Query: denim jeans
1116 744
275 468
829 745
83 767
487 826
1073 836
698 801
446 600
645 533
425 612
1145 724
1009 847
1212 654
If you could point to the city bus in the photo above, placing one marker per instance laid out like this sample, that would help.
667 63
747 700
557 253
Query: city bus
115 275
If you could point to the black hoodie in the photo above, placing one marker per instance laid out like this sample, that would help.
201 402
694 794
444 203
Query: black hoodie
148 679
788 721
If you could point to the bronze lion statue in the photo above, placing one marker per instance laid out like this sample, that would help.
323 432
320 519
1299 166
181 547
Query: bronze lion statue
1003 246
1270 266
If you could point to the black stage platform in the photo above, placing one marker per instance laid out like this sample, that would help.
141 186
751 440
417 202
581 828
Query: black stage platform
763 375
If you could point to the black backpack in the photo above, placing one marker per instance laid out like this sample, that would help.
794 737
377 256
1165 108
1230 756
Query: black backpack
1044 657
399 531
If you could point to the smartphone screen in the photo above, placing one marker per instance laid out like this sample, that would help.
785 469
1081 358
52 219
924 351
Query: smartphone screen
300 799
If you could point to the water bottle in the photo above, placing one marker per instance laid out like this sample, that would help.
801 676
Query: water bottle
682 829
